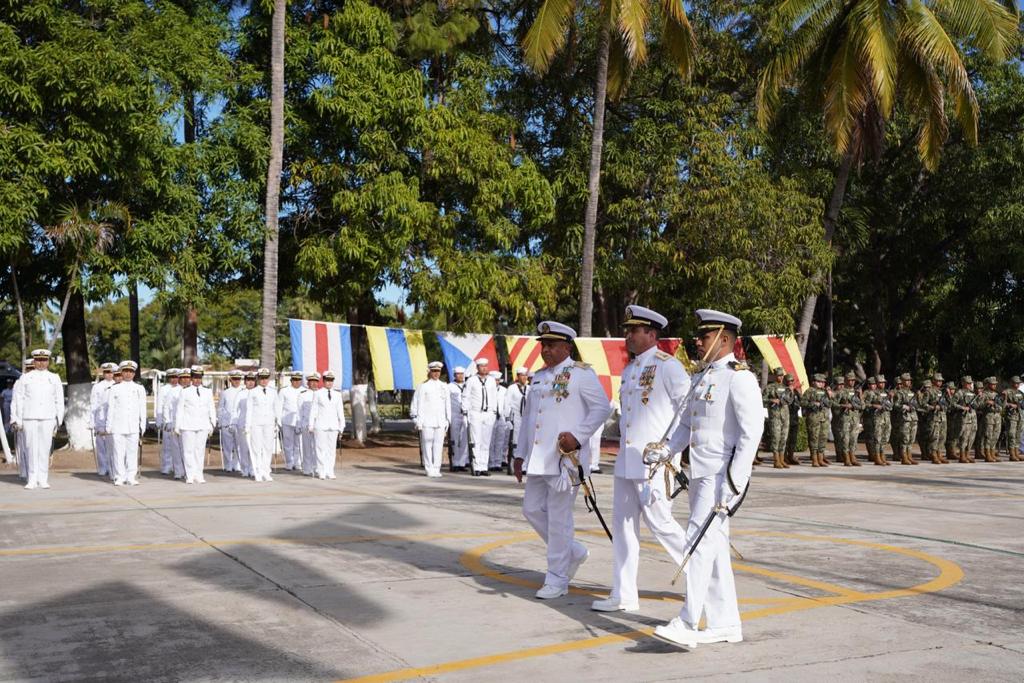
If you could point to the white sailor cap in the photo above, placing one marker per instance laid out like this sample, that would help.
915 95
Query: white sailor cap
263 373
108 367
639 315
313 377
459 370
549 329
522 370
708 319
495 374
128 365
482 361
196 371
238 374
41 353
435 365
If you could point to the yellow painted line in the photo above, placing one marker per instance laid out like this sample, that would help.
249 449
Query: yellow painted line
223 542
949 574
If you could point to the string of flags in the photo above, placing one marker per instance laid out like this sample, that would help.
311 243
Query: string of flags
399 356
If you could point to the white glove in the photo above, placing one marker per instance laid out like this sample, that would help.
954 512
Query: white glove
563 483
177 432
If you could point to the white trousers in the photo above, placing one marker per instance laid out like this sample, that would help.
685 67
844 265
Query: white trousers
262 439
326 451
228 450
242 444
308 452
124 460
167 446
291 444
432 448
177 455
460 445
102 444
38 444
627 511
193 451
710 585
21 452
481 428
550 513
595 449
499 443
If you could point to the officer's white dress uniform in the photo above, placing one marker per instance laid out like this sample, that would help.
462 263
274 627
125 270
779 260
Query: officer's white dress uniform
327 418
458 432
306 397
125 422
37 410
564 398
287 411
654 386
173 457
499 437
239 429
160 416
97 403
431 410
195 418
261 425
721 422
480 406
226 408
515 404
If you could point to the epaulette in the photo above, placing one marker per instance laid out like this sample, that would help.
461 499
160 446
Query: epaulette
580 364
661 355
738 365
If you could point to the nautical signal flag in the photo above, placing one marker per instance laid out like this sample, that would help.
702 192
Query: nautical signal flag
609 358
399 357
318 347
464 349
523 352
783 352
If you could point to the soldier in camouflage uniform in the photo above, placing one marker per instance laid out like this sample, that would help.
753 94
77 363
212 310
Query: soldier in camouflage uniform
980 431
992 417
776 398
904 414
952 420
794 423
879 405
1013 397
936 404
867 417
967 419
815 404
835 415
847 403
924 418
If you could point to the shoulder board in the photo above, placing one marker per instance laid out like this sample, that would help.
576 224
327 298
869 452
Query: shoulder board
661 355
738 365
581 364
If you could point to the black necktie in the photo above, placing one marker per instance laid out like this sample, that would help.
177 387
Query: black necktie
483 390
264 391
197 391
329 395
522 401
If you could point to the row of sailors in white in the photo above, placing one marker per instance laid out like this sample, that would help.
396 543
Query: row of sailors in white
118 412
37 409
716 414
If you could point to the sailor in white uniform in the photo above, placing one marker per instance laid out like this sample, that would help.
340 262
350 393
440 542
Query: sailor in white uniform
327 418
431 412
37 409
721 422
226 407
458 433
97 406
479 407
261 425
287 411
306 398
125 422
565 406
195 418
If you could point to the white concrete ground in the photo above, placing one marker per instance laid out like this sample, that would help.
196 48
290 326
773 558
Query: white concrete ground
901 573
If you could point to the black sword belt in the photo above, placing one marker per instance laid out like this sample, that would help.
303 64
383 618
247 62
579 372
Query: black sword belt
588 491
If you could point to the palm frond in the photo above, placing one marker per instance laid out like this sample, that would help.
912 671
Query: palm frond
872 25
790 14
847 91
547 33
990 25
924 94
633 18
619 69
678 38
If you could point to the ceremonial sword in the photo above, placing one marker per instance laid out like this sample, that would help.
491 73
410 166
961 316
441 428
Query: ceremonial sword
720 508
588 494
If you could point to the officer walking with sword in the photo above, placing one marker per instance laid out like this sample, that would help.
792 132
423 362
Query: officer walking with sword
721 424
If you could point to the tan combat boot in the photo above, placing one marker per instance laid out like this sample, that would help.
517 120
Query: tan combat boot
777 461
935 458
910 454
961 456
821 459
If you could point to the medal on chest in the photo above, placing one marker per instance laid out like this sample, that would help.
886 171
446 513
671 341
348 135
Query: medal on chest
560 385
646 383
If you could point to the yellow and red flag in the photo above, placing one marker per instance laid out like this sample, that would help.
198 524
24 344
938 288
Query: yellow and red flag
785 353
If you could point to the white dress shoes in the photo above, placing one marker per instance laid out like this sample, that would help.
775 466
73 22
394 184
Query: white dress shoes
677 632
548 592
613 604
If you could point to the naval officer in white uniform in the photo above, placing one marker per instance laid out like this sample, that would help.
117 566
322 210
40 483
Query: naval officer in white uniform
721 422
654 385
564 407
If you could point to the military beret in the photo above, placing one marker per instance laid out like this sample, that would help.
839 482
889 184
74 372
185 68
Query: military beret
639 315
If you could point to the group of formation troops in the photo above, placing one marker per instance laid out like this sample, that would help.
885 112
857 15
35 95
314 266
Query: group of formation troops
949 423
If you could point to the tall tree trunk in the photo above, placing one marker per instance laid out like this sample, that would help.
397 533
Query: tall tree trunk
79 372
593 185
268 327
831 218
190 337
133 322
63 312
21 314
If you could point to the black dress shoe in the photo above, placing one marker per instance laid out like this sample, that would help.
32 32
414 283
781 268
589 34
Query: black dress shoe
475 473
597 471
485 473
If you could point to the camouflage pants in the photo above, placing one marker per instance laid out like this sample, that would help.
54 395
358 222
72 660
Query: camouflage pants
846 439
817 431
778 430
968 430
908 432
952 431
1011 428
937 432
993 426
881 432
794 432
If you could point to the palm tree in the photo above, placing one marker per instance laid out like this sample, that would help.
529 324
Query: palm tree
621 47
860 58
268 326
